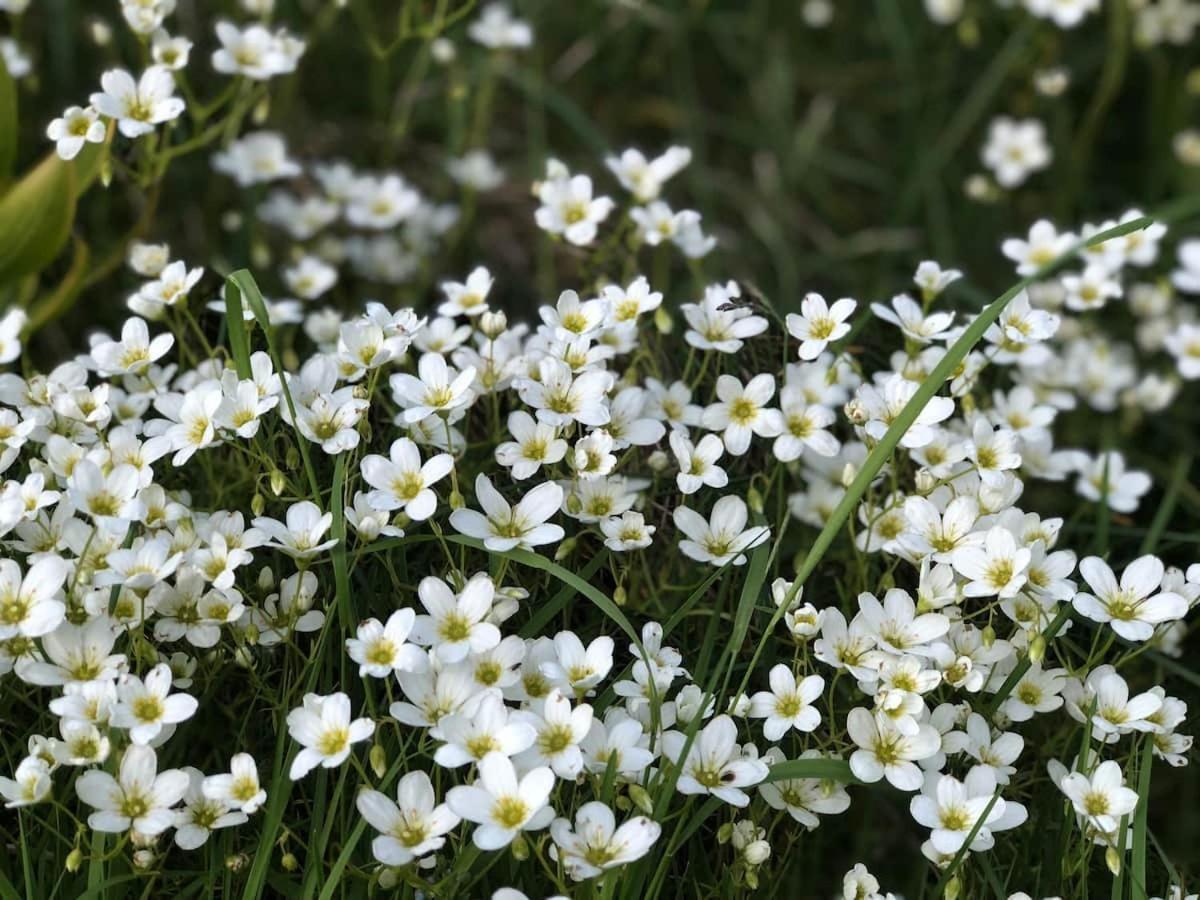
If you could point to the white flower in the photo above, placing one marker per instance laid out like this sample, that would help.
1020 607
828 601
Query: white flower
133 353
467 298
201 815
454 625
787 705
953 809
497 29
1044 245
322 726
569 209
300 537
1133 608
558 729
1064 13
804 427
256 158
381 649
32 606
1184 344
1102 798
145 706
998 568
502 526
439 389
741 412
476 170
887 752
310 277
411 828
103 496
818 324
1106 479
502 805
240 789
714 764
11 325
535 444
560 397
629 531
402 482
77 126
596 844
138 105
908 315
1015 149
488 729
718 322
724 537
30 783
171 52
139 798
645 178
254 52
697 462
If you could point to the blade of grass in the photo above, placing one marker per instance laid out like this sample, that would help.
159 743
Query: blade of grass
1162 515
239 343
248 287
827 769
1141 817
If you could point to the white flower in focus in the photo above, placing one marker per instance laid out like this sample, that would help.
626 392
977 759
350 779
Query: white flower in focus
138 105
502 526
323 728
410 828
139 797
714 764
1133 607
501 804
724 537
596 844
819 324
77 126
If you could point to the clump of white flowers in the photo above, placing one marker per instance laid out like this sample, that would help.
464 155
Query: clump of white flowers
647 567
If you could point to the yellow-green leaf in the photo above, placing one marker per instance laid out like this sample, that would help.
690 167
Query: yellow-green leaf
8 123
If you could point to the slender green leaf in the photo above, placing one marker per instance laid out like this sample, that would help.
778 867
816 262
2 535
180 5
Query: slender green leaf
8 123
1141 817
826 768
235 324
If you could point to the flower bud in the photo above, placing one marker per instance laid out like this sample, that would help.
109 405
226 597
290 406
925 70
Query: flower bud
849 473
257 504
663 321
378 760
658 461
856 412
442 50
641 798
520 848
1112 859
988 635
925 481
74 860
565 549
143 859
278 482
456 500
953 887
289 862
620 596
292 458
754 499
493 323
1037 649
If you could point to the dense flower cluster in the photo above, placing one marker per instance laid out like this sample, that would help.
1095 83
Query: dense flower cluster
443 454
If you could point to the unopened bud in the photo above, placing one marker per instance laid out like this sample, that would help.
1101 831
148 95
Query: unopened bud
257 504
620 597
143 859
641 798
724 833
442 50
1112 859
663 321
262 110
658 461
953 887
456 500
278 482
856 412
493 323
754 499
266 578
289 862
74 860
849 473
988 635
1037 649
565 549
925 481
520 849
292 458
378 760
